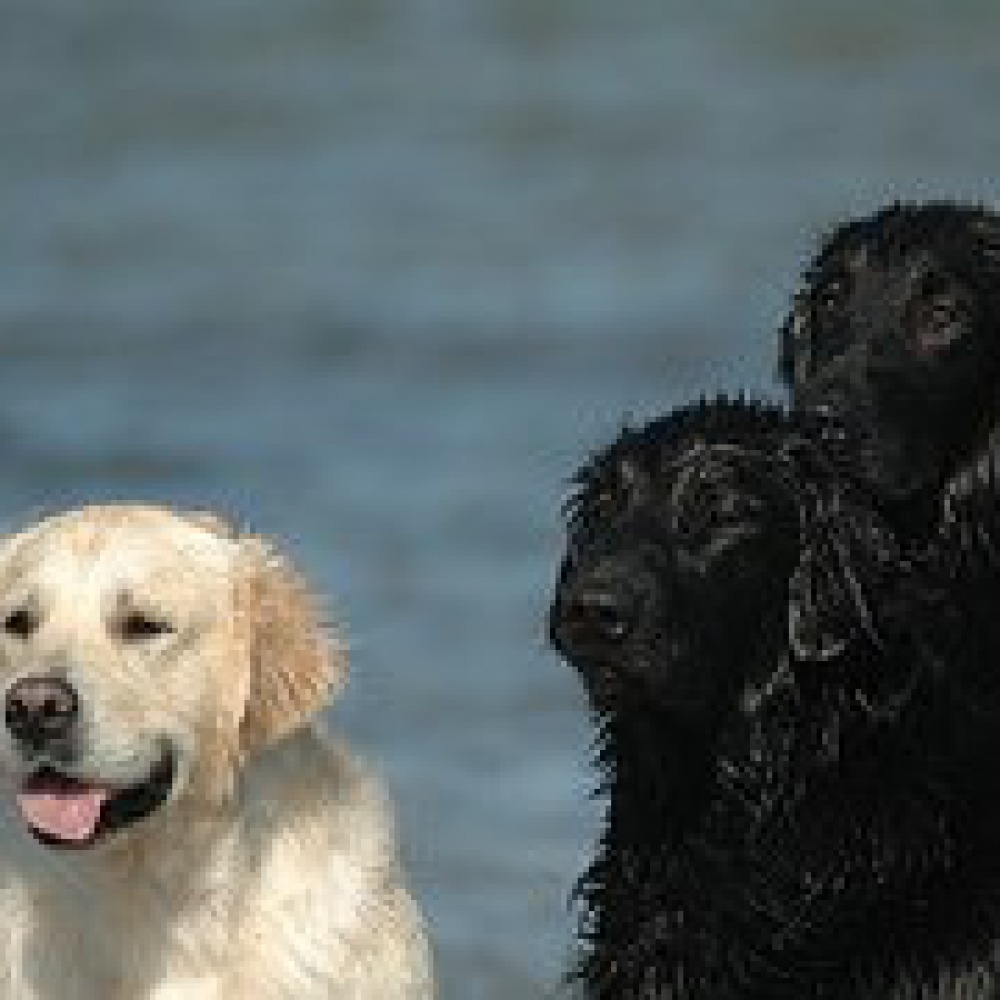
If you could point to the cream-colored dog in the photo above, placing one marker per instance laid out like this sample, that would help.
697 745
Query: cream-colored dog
172 825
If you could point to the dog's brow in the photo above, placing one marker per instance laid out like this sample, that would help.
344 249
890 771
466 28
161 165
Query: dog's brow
125 598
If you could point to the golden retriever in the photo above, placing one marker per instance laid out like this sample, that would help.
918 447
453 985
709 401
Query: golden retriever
173 825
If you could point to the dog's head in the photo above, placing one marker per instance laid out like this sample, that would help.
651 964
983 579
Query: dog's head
710 551
144 655
897 327
681 539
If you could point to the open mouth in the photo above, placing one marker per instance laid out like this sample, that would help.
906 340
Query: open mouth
67 812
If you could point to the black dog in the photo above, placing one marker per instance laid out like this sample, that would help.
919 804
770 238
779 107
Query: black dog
897 331
802 796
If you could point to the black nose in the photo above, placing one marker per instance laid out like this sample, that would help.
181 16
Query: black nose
604 613
40 710
600 608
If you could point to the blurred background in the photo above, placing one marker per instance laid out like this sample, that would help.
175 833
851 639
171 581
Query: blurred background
378 274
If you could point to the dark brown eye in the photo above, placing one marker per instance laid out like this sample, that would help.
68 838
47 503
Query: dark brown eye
20 623
136 626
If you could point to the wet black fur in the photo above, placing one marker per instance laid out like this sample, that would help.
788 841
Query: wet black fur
796 729
896 328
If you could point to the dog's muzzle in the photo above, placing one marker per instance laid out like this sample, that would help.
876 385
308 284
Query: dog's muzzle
66 811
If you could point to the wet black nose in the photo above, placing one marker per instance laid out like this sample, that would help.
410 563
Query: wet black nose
601 609
602 612
40 710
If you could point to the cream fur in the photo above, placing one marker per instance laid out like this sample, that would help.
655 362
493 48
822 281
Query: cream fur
271 873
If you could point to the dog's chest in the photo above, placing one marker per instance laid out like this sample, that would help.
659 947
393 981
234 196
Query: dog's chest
74 935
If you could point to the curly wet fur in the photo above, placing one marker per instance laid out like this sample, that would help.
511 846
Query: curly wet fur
896 329
801 797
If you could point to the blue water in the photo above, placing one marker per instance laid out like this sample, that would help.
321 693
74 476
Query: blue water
376 276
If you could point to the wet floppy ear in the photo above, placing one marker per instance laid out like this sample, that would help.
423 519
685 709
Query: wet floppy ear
815 631
294 666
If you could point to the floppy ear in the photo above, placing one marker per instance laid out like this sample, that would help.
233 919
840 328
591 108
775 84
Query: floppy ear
815 632
842 588
294 666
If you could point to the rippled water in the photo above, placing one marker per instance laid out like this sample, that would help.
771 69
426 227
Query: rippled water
377 275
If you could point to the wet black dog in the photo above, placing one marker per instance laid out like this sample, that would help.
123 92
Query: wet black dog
800 769
897 329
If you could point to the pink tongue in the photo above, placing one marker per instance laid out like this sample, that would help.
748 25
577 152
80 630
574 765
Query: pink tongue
66 810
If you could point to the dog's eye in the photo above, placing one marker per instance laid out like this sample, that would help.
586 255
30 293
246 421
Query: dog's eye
21 623
136 626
